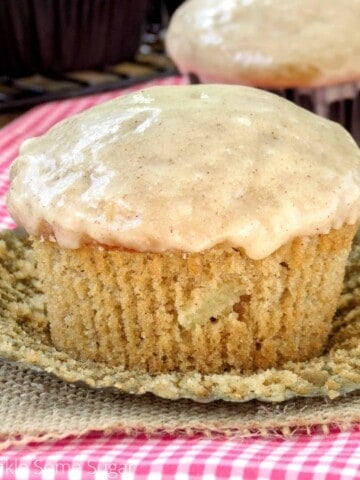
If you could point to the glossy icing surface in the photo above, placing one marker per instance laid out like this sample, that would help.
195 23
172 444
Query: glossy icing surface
187 168
268 43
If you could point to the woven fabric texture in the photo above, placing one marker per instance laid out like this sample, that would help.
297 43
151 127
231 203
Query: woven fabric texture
36 406
120 457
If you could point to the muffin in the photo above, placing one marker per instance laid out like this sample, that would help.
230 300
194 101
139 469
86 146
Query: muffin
302 51
191 228
63 35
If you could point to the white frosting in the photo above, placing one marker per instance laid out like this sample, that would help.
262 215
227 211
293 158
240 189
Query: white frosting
267 43
187 168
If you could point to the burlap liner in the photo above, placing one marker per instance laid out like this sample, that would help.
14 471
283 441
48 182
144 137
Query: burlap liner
38 406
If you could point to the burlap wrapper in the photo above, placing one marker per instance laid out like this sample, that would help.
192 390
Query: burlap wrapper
36 405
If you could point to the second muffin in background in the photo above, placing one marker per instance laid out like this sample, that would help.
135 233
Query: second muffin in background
307 51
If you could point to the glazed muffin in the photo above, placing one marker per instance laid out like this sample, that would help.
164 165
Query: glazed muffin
197 228
304 51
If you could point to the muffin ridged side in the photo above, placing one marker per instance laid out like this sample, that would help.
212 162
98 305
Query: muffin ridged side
210 312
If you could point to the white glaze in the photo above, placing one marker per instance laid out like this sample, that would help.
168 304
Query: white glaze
187 168
267 43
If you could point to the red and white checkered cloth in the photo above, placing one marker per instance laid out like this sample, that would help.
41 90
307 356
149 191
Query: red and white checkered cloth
335 456
96 457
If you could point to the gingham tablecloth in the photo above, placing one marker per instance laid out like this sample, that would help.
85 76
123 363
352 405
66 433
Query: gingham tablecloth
335 456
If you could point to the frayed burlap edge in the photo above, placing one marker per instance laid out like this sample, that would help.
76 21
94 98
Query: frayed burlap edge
37 406
50 408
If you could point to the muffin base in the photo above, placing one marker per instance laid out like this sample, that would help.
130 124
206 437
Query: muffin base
208 312
24 338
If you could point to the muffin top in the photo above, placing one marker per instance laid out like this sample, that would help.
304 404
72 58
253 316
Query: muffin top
265 43
188 168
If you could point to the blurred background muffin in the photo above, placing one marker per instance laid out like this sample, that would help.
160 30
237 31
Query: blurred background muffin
57 49
304 50
64 35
